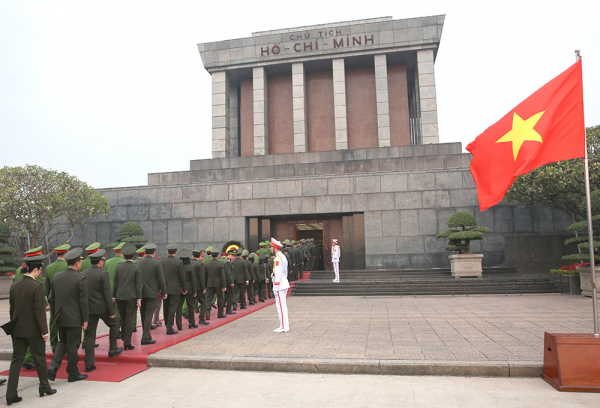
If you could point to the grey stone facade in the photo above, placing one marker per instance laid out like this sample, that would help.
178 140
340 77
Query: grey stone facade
406 194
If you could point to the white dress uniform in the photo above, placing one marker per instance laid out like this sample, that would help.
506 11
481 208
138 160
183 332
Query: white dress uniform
336 253
280 289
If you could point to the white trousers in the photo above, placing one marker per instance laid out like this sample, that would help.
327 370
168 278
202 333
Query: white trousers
336 269
282 312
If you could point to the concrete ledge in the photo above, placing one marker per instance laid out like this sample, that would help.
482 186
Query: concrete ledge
6 354
353 366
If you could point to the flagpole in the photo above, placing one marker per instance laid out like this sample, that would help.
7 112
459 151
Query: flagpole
590 229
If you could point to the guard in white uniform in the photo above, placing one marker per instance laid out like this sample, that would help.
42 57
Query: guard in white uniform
336 254
280 285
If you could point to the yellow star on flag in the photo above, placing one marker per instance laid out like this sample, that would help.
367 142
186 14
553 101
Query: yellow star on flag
522 130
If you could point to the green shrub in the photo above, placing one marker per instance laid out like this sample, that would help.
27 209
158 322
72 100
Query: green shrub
466 230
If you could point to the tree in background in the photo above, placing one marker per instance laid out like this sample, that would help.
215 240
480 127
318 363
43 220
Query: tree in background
8 261
130 232
44 206
560 185
466 230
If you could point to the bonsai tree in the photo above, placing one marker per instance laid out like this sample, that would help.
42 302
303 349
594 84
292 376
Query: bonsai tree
582 240
8 261
463 230
130 232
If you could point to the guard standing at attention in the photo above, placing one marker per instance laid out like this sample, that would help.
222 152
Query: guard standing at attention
280 286
197 261
127 292
228 266
70 307
101 306
153 280
28 327
336 254
57 266
175 280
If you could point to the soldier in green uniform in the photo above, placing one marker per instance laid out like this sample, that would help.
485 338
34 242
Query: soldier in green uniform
110 266
241 277
28 361
29 327
253 285
101 307
190 288
59 265
86 263
259 280
127 292
70 306
197 261
175 280
215 282
153 281
228 266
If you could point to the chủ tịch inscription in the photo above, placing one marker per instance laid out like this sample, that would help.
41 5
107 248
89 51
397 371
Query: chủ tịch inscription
317 40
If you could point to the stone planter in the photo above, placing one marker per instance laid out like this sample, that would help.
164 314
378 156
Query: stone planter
586 280
574 284
466 265
5 282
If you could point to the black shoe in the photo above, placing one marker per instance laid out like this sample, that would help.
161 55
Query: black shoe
49 392
96 345
169 332
9 401
152 326
148 342
159 324
221 316
234 307
185 316
134 329
243 307
78 378
2 381
192 326
90 369
52 373
230 312
204 322
128 347
115 352
28 366
53 350
213 306
120 336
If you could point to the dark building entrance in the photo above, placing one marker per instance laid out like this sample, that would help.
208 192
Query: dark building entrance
348 229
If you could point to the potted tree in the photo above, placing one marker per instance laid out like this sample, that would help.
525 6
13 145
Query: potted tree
584 269
463 230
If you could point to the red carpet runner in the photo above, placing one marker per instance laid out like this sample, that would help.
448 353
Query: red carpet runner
131 362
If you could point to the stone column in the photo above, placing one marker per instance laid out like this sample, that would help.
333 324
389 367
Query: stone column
220 115
234 120
339 104
261 122
381 95
427 97
299 106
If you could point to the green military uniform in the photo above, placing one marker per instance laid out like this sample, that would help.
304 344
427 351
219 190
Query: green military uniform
229 292
200 285
87 263
216 282
127 290
190 289
27 311
101 307
253 285
175 280
110 266
59 265
70 306
259 281
153 281
241 279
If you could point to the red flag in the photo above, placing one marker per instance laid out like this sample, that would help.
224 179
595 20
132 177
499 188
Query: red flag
546 127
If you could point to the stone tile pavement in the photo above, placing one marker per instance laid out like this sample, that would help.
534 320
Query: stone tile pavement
440 328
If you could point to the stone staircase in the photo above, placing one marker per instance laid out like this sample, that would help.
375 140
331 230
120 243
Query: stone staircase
427 282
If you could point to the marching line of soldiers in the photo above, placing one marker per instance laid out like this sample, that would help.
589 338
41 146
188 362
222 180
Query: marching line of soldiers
80 292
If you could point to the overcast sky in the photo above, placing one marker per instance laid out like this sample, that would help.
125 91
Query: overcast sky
110 91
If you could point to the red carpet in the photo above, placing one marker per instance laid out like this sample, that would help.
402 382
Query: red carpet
134 361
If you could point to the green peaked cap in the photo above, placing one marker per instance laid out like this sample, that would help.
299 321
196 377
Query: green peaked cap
93 247
34 250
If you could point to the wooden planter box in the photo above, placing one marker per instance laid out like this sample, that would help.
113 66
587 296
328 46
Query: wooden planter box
572 361
586 280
